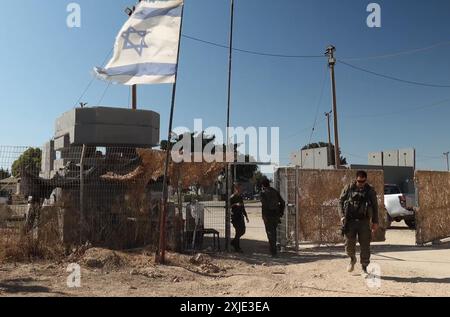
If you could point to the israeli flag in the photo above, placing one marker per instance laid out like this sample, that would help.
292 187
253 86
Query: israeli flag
146 48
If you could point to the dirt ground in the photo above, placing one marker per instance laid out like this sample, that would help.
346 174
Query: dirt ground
406 270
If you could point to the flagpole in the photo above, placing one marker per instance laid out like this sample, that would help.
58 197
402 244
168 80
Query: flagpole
134 97
161 251
230 64
133 87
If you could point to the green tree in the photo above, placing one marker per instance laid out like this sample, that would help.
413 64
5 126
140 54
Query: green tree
257 179
243 172
29 160
205 139
4 173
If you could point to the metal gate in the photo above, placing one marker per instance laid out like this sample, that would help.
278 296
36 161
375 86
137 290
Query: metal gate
285 179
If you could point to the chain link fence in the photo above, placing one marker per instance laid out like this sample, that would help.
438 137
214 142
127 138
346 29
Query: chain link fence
110 197
285 181
98 195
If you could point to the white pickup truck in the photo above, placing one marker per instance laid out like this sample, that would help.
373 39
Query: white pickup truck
399 206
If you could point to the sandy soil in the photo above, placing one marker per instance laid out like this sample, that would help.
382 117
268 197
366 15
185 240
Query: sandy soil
406 270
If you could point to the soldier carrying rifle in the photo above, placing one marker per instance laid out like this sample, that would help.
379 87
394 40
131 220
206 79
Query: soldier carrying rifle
358 208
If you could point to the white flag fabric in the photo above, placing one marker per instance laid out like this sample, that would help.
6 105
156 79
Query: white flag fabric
146 48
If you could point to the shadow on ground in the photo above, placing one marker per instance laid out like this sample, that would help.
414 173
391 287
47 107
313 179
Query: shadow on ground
24 285
257 252
445 280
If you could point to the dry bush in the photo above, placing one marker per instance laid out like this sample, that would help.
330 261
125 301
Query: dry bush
18 246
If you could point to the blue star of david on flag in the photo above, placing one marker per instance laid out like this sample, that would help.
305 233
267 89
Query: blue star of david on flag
128 44
146 47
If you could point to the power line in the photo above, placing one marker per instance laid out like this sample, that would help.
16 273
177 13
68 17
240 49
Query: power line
407 52
301 131
389 55
354 155
104 93
393 78
88 86
429 157
318 105
435 104
250 51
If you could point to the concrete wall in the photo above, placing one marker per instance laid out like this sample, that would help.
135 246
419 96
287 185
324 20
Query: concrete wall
104 126
318 193
390 158
402 157
308 158
375 158
321 158
433 214
48 157
311 158
407 157
296 158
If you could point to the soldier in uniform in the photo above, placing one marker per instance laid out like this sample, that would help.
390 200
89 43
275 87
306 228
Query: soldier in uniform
358 208
272 211
238 213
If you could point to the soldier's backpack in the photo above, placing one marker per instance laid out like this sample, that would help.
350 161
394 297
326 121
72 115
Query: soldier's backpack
273 201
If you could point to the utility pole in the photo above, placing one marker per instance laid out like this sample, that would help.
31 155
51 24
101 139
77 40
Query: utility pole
331 63
161 251
328 114
446 156
228 143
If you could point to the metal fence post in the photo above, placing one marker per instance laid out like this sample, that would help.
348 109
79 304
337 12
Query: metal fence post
83 154
296 211
227 210
286 231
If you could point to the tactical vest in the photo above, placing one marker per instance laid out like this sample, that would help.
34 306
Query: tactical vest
272 203
357 204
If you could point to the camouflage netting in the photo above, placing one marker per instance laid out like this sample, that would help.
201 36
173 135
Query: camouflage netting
183 174
318 197
433 214
121 198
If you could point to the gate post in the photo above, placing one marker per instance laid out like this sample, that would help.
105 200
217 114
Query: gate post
296 210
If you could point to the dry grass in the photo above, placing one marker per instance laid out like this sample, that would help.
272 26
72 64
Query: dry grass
17 246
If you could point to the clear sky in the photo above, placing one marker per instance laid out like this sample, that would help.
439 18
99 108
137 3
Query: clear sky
46 66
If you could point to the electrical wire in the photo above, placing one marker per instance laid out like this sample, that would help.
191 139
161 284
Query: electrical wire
250 51
393 78
318 106
104 93
301 131
429 157
354 155
389 55
385 114
88 86
407 52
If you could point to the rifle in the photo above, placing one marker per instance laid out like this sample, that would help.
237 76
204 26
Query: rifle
344 228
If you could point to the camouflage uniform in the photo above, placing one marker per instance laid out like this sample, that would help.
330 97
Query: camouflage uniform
238 213
359 227
272 211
